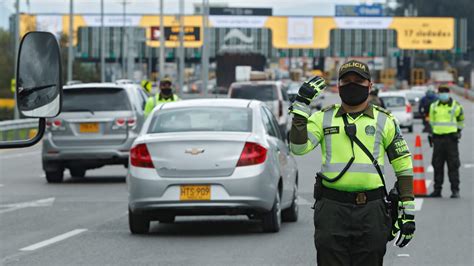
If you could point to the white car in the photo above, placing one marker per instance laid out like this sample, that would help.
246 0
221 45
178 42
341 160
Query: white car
211 157
271 93
397 103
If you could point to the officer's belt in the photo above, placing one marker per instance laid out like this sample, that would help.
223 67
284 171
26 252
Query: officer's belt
357 198
449 135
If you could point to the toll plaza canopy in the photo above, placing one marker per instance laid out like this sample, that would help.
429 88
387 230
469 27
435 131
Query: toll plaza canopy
413 33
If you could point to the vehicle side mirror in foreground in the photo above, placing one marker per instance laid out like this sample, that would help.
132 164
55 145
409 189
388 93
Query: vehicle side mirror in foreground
39 88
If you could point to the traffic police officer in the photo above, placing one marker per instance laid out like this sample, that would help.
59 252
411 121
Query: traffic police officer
166 95
352 224
446 118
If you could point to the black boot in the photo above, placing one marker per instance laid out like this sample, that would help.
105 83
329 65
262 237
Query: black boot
435 194
455 195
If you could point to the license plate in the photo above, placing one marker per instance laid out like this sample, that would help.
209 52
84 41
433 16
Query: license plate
193 192
89 128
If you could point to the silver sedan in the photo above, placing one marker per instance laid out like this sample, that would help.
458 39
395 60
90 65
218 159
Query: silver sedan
211 157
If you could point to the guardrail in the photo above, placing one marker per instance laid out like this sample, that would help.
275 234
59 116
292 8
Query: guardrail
466 93
21 129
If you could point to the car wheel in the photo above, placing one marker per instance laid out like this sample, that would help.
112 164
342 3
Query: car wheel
138 224
271 221
410 129
56 176
77 172
166 219
291 214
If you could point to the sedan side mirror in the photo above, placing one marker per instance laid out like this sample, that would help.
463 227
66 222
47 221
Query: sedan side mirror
39 88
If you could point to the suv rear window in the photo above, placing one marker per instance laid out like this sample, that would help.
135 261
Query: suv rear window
393 101
262 93
95 99
202 119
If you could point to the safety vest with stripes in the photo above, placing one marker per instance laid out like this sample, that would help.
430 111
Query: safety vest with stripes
378 131
152 102
446 118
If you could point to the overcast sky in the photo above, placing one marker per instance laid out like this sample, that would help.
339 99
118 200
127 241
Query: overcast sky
280 7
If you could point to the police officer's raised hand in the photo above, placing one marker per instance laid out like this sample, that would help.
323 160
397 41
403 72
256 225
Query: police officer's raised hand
311 89
307 92
405 224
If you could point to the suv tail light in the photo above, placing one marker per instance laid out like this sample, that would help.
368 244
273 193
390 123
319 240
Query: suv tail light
252 154
408 108
132 122
55 125
140 157
280 108
121 123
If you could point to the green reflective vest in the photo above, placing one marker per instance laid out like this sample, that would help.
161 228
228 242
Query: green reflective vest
379 132
152 102
446 118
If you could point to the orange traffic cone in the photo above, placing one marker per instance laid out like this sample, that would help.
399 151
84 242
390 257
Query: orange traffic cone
419 184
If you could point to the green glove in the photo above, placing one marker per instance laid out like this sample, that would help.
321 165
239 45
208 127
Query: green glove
405 224
307 92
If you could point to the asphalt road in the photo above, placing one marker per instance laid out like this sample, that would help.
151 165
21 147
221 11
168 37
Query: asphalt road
84 222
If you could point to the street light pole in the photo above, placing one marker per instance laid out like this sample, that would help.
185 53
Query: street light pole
161 69
181 47
16 114
102 42
205 45
70 56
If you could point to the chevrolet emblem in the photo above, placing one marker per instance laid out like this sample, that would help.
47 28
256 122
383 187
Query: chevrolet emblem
194 151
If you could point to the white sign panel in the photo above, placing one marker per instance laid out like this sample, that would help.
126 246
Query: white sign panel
113 21
237 21
363 22
300 31
53 24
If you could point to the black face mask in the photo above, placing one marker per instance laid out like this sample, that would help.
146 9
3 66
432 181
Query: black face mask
353 94
166 91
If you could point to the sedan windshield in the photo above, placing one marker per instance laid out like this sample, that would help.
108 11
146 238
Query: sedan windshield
393 101
262 93
202 119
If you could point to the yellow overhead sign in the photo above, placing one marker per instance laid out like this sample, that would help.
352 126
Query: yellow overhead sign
416 33
424 33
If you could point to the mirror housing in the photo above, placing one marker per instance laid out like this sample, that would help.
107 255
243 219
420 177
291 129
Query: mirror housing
38 86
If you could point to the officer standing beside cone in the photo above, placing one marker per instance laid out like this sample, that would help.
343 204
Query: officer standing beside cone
446 118
351 219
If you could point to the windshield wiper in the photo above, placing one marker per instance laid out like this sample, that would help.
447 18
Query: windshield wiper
79 110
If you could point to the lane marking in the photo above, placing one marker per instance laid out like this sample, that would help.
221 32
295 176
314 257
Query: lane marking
303 201
468 165
53 240
13 156
418 204
430 169
403 255
1 185
21 205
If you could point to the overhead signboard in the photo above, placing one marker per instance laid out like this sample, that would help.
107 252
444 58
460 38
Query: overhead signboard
375 10
240 11
191 34
300 31
416 33
424 33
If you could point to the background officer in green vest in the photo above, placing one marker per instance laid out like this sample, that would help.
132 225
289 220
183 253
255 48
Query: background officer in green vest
166 95
446 118
352 224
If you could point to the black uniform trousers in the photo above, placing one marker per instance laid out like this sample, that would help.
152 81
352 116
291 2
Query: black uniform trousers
445 149
347 234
